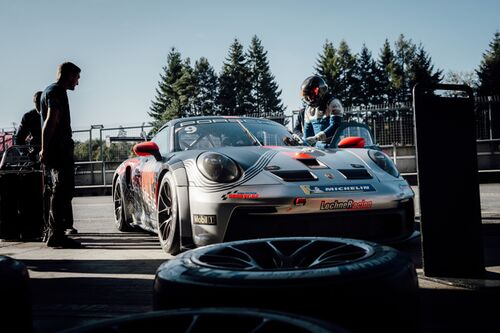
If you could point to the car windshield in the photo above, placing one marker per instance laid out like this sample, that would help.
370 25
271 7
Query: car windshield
230 132
270 133
208 134
353 130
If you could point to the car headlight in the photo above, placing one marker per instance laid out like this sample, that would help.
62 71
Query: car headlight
384 162
218 167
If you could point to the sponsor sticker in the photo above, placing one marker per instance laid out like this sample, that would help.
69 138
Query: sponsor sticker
205 219
190 129
240 195
348 204
307 189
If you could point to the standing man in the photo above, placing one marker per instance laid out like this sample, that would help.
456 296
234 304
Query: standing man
57 154
323 113
31 126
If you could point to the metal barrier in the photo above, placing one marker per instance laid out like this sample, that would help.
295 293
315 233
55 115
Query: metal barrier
97 156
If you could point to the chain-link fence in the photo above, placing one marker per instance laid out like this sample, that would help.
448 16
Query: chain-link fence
392 124
99 150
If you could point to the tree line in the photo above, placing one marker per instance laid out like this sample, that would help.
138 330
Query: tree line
246 85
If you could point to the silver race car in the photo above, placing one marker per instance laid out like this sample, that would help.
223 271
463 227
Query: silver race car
206 180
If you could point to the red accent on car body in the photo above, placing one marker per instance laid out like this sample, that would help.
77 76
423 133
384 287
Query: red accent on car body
352 142
146 148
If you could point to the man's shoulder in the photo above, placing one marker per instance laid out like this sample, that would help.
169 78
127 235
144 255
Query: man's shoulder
54 88
30 114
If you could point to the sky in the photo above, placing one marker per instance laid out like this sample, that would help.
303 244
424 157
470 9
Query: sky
122 46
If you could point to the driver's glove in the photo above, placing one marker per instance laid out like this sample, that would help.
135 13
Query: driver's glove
311 140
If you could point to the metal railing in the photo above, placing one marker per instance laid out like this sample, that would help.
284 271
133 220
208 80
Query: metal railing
392 126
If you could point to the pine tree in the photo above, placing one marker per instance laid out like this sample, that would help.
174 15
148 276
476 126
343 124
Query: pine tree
385 72
327 67
265 94
165 93
489 69
234 83
403 58
369 89
184 88
206 88
421 70
348 83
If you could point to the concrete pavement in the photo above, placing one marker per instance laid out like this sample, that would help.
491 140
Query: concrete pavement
113 274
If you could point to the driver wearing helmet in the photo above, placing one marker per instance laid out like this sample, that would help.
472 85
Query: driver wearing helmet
323 113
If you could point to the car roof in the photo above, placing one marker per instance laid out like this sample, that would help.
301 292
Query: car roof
175 121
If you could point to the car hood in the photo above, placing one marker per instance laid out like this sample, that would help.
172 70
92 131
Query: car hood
287 164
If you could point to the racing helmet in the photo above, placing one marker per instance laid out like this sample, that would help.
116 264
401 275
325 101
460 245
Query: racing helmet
313 90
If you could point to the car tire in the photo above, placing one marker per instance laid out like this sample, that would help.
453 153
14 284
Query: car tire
15 295
358 284
210 320
168 216
121 221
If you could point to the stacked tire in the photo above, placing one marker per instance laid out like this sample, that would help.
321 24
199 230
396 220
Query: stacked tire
221 320
360 285
15 296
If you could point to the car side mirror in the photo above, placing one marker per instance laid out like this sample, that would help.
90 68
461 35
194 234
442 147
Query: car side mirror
352 142
148 148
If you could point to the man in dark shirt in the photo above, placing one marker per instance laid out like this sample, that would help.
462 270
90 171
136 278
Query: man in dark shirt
31 125
57 154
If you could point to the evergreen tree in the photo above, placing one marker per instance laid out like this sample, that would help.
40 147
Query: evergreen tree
184 88
462 77
234 83
489 69
165 93
369 89
265 94
385 73
403 58
206 87
421 70
327 67
347 85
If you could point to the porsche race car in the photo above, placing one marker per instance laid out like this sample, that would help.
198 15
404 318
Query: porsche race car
212 179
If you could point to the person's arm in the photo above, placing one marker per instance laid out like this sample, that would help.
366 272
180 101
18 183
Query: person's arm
336 111
22 132
48 130
299 126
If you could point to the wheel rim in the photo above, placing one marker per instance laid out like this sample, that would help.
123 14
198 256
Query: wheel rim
165 213
284 254
118 203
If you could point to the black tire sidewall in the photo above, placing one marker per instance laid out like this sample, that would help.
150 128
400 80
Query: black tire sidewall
361 292
171 245
122 224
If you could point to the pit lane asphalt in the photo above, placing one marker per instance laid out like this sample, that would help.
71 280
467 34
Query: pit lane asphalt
113 274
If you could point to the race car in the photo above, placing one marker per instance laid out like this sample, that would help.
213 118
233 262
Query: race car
211 179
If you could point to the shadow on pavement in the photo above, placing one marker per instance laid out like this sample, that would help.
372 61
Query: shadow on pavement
132 266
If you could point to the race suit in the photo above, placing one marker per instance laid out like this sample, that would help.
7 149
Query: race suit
321 122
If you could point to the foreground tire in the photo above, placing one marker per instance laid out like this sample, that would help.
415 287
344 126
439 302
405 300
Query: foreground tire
168 216
121 220
15 296
210 320
358 284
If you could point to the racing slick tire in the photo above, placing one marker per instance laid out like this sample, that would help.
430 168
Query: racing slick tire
15 296
168 216
221 320
121 220
360 285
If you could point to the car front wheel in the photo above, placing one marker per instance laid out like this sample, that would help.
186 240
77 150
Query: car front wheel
168 216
